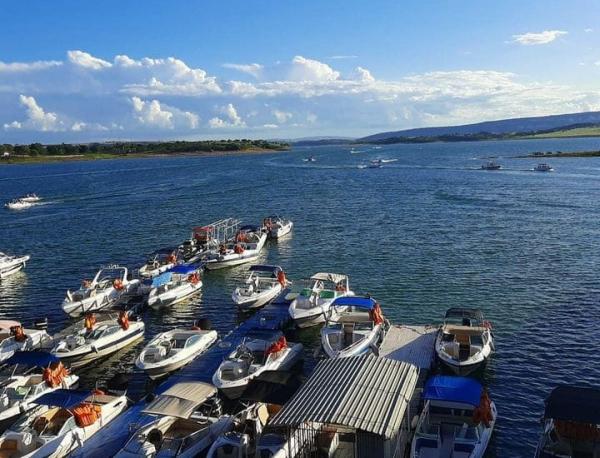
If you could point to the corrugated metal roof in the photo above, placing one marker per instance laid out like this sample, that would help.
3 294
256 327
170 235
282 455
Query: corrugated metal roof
363 392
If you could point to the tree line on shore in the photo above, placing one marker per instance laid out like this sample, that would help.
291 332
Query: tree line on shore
124 148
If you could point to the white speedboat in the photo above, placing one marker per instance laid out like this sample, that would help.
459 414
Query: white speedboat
355 325
571 423
246 247
457 421
263 285
262 350
159 262
18 204
465 341
491 165
11 264
171 350
105 290
19 390
243 439
173 286
13 338
202 242
187 422
31 197
62 422
277 226
311 306
375 164
543 167
310 159
97 339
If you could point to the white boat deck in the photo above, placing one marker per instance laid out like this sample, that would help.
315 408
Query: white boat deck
411 344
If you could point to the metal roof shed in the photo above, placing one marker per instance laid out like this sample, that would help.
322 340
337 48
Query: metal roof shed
365 393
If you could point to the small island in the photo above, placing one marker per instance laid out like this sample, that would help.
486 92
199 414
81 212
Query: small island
37 152
546 154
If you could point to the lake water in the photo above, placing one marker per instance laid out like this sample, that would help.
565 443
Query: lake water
424 233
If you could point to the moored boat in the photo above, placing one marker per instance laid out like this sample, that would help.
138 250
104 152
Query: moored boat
201 243
105 290
11 264
571 423
465 340
62 422
311 306
261 350
97 339
354 326
246 247
19 390
187 420
175 285
14 337
159 262
457 420
173 349
263 285
277 226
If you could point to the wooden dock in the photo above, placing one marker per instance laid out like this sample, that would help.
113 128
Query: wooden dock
411 344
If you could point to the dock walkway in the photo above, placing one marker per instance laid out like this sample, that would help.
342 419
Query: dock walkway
411 344
110 439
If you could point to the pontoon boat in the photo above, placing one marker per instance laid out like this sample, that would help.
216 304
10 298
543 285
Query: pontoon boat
262 350
457 420
105 290
263 285
465 341
246 247
11 264
174 286
311 306
354 326
187 421
98 339
171 350
277 226
571 423
62 422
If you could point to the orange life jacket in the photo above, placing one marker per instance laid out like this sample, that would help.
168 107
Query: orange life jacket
90 321
123 320
54 374
376 315
276 347
281 278
118 284
86 414
19 333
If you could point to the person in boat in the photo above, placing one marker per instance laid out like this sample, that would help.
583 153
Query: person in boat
222 249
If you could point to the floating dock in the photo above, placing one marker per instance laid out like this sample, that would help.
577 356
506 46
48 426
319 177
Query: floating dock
410 344
110 439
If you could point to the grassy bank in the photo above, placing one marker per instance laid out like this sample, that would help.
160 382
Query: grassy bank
553 154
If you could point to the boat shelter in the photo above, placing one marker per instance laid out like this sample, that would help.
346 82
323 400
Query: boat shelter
352 407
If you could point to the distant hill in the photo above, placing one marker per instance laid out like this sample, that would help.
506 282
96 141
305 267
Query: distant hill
491 129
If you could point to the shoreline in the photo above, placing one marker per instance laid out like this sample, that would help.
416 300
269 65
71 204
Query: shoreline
559 154
48 159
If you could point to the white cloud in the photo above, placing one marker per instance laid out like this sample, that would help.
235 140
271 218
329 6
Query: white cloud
153 114
281 116
541 38
270 126
364 75
232 118
37 118
86 60
588 30
304 69
28 66
251 69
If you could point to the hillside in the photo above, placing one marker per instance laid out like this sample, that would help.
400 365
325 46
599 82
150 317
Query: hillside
493 129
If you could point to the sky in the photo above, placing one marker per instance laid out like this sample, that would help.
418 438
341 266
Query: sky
73 71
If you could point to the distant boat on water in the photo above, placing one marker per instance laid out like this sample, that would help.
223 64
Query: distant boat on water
543 167
491 165
310 159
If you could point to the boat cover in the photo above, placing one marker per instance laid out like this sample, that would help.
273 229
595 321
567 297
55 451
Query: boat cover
183 270
161 279
355 301
335 278
62 398
274 270
457 312
181 400
450 388
32 358
573 403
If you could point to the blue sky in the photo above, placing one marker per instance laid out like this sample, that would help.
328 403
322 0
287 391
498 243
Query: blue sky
82 71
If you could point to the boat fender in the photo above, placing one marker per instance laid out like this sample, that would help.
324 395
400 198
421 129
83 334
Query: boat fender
26 438
4 401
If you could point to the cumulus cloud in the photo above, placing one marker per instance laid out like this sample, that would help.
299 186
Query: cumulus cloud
363 74
153 114
28 66
37 118
86 60
538 38
232 118
304 69
281 116
251 69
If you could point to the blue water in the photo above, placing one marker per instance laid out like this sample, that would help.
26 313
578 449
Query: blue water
424 233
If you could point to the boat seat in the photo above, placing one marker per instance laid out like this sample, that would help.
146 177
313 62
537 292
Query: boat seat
348 334
9 448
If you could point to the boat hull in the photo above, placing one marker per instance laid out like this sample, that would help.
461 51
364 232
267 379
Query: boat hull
248 302
241 259
13 267
173 296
